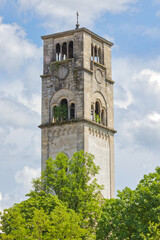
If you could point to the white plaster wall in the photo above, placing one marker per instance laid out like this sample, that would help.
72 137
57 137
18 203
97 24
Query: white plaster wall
99 147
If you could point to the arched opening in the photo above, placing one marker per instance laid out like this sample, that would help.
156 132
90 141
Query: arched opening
64 51
106 118
97 112
72 111
96 54
99 55
102 117
92 113
92 52
54 114
64 109
58 52
70 49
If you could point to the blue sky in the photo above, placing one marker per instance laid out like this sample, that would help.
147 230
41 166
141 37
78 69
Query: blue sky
134 27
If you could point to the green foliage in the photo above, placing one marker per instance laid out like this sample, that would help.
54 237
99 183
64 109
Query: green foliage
42 216
134 214
60 113
65 202
97 118
73 181
154 231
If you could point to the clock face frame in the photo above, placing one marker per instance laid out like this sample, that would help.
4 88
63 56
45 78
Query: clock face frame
99 76
62 72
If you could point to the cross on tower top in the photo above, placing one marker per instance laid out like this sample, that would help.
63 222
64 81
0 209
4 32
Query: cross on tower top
77 25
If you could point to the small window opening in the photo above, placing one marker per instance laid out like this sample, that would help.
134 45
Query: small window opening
64 109
102 117
96 54
72 111
58 54
99 55
92 52
54 111
64 51
71 49
92 113
97 112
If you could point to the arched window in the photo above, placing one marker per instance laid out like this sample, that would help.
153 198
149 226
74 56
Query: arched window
58 52
102 117
64 51
96 54
92 52
64 109
97 112
92 113
72 111
70 49
99 55
54 114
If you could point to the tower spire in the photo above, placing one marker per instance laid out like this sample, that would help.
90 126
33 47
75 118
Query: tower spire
77 25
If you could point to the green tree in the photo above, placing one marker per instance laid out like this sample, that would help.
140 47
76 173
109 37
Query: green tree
73 181
134 214
60 113
42 216
65 203
154 231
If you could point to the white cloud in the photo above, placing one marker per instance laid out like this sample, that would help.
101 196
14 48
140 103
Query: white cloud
15 114
126 102
63 12
25 176
152 77
20 66
137 121
16 51
23 180
155 117
0 196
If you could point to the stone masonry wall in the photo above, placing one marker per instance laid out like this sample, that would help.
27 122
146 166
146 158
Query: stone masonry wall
81 87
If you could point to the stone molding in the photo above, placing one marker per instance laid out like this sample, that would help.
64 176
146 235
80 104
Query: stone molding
82 120
58 132
71 32
98 133
110 81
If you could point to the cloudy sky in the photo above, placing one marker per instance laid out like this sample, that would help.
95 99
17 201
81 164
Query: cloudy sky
134 27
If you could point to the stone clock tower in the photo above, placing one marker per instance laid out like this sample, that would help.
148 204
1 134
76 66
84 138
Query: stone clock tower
77 84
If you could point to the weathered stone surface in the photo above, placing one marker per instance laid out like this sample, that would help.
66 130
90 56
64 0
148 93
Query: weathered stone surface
82 87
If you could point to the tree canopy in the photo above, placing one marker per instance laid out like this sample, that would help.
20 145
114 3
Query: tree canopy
42 216
135 214
68 191
66 203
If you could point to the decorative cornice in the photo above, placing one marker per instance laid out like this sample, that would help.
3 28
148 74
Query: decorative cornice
98 134
71 32
81 120
83 69
45 75
99 65
110 81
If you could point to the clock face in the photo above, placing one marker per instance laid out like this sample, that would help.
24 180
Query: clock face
99 76
62 72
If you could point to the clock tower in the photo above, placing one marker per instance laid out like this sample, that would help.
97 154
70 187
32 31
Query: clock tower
77 100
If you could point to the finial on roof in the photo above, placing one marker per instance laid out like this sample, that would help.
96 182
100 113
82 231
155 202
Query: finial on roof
77 25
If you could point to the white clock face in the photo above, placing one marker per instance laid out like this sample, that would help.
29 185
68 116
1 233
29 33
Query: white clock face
62 72
99 76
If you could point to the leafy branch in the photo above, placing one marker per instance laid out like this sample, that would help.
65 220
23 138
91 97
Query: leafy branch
60 113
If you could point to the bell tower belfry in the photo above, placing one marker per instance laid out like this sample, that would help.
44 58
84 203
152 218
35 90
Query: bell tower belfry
77 100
